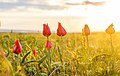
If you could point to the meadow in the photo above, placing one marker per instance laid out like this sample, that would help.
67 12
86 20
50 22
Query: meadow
69 55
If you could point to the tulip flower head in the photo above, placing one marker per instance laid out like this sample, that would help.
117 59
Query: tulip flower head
110 30
46 30
86 30
17 47
61 31
34 52
48 44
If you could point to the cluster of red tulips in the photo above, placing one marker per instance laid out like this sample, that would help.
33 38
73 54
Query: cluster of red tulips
60 32
46 32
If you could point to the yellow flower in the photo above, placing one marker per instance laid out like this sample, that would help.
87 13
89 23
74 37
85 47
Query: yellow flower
19 68
86 30
20 71
110 29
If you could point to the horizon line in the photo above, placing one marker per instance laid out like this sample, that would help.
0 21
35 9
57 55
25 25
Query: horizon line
39 31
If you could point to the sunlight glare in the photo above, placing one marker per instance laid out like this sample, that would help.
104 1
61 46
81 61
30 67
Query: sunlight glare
55 2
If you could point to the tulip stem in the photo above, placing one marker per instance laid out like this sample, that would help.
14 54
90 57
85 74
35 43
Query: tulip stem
47 38
17 60
87 42
113 54
111 43
60 55
49 60
62 59
60 52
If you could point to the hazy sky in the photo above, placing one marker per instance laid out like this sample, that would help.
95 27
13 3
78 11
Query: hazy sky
73 14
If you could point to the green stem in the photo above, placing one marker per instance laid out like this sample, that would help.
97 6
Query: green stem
47 38
61 52
16 61
113 54
87 48
87 42
60 55
61 38
49 58
111 43
83 40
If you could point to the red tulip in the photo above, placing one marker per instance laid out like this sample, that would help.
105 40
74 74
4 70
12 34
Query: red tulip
61 31
110 29
34 52
48 44
46 30
17 47
86 30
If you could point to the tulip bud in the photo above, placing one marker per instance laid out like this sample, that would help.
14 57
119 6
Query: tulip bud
17 47
110 29
86 30
46 30
34 52
48 44
61 31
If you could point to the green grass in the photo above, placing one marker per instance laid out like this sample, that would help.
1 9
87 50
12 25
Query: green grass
69 55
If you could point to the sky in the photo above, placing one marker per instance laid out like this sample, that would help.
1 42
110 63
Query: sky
73 14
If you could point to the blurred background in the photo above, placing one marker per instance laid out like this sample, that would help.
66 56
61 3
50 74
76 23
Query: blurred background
30 15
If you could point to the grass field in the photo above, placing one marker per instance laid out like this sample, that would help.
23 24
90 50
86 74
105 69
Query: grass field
70 55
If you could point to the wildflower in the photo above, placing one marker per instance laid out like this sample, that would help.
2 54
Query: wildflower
46 30
17 47
110 29
61 31
34 52
86 30
19 68
48 44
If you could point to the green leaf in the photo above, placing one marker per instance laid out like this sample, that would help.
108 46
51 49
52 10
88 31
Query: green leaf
42 59
23 59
